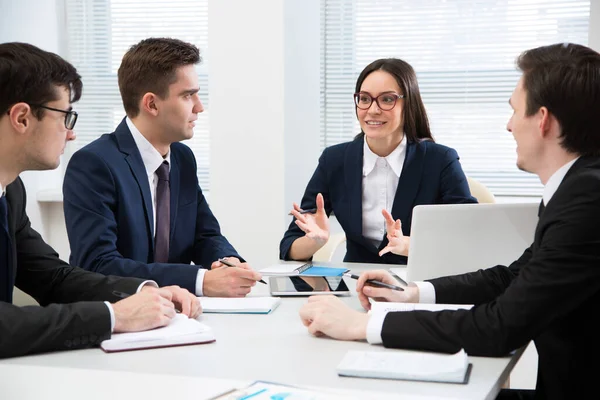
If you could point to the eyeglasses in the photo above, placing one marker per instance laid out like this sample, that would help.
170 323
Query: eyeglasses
70 115
385 101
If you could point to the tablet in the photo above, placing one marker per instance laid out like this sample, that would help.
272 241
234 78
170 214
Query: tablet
307 286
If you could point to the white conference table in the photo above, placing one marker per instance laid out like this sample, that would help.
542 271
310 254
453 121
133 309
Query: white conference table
276 348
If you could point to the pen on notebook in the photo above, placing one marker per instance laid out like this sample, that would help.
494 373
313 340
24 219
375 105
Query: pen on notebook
376 283
309 211
225 262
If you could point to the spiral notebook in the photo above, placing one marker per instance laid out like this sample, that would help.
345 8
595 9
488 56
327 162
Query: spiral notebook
181 331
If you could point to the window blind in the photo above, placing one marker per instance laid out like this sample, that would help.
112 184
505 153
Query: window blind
464 54
101 31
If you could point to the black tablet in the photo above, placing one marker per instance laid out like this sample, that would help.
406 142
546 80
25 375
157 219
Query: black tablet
307 286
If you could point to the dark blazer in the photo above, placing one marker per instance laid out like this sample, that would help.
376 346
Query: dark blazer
550 295
36 269
108 212
431 174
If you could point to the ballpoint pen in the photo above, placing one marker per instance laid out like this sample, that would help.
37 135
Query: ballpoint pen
227 263
376 283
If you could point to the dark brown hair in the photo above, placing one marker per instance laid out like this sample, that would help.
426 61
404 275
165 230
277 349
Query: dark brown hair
31 75
565 78
151 66
416 123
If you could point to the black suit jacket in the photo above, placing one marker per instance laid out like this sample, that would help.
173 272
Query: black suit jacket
37 270
431 174
550 295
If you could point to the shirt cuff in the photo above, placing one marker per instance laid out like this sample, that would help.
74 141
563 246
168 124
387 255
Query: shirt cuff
374 327
200 281
426 292
151 283
112 316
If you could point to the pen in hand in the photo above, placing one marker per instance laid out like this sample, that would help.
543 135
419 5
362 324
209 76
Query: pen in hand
227 263
309 211
376 283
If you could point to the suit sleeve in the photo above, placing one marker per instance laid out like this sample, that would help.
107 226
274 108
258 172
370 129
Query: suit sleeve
90 206
41 274
317 184
210 244
454 188
560 277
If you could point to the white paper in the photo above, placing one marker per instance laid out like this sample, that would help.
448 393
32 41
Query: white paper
239 305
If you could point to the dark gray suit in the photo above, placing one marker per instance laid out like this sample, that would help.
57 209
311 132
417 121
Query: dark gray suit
35 268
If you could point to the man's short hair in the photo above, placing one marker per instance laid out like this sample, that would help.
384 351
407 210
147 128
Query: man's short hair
565 78
31 75
151 66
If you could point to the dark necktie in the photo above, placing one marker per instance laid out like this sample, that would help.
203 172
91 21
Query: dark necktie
541 209
5 254
163 214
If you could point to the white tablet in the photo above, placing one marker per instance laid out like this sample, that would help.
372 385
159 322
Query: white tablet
307 286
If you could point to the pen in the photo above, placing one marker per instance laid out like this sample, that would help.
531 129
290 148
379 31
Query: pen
376 283
225 262
123 295
309 211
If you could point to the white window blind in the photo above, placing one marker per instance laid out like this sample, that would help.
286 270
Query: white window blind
464 54
101 31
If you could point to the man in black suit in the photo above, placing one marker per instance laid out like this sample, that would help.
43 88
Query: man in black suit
36 120
551 294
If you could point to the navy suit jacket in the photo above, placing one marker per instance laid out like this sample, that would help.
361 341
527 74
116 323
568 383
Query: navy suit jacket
109 217
431 174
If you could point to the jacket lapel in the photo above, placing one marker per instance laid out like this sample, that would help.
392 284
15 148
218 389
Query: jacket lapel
353 164
174 185
408 183
133 157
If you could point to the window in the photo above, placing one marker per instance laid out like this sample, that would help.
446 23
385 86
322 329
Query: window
463 52
101 31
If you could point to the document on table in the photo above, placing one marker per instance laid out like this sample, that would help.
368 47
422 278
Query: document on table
260 390
382 306
180 331
244 305
406 365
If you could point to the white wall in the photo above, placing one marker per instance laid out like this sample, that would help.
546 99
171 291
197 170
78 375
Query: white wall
265 147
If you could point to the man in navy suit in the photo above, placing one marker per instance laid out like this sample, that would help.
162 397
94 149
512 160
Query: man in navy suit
132 203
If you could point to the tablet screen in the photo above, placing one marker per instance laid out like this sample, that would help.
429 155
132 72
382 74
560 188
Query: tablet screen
307 286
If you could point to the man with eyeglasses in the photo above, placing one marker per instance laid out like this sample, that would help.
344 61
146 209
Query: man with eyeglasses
78 308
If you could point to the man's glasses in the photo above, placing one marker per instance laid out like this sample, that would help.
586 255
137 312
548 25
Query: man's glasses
385 101
70 115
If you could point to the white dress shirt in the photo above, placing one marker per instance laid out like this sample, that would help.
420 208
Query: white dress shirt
110 309
152 159
379 184
426 289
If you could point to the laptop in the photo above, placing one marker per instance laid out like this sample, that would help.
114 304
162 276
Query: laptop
451 239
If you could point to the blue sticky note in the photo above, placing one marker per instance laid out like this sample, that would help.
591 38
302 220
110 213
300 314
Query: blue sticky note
315 270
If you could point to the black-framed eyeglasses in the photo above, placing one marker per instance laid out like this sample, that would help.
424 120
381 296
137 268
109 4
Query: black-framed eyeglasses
70 115
385 101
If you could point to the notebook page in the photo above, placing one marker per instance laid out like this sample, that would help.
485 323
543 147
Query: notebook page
180 325
405 364
229 304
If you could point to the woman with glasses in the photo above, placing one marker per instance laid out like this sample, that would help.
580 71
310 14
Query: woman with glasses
372 183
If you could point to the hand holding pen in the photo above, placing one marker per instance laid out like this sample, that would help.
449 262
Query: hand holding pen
227 263
380 285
